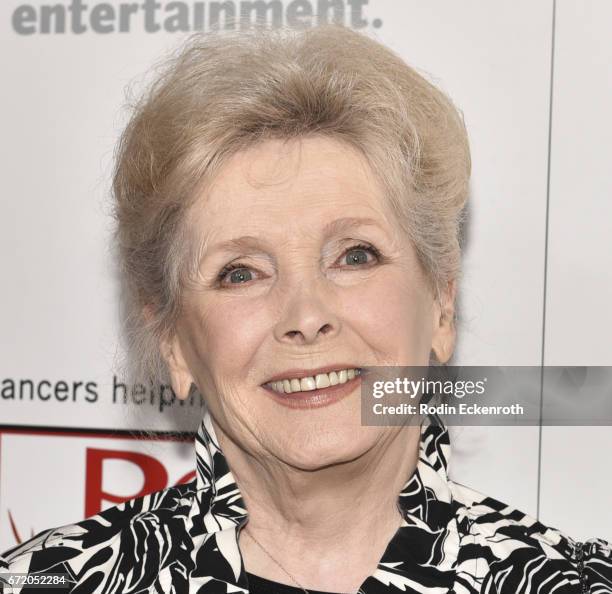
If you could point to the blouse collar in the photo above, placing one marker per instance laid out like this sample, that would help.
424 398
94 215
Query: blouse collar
422 552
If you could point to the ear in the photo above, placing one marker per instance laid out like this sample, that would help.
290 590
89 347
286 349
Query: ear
180 376
444 331
170 348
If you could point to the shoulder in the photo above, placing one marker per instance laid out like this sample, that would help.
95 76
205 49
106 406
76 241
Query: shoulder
522 554
140 532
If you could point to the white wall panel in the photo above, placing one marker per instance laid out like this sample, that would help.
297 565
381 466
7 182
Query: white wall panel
576 482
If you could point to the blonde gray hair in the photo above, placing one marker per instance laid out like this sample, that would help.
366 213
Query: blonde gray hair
221 92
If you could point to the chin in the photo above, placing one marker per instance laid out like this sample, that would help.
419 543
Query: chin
317 449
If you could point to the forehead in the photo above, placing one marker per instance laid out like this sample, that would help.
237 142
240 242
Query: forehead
301 182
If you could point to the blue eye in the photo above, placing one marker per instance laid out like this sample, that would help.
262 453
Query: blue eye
241 275
238 274
357 254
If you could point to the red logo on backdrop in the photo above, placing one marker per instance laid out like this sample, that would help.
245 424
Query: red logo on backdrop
154 472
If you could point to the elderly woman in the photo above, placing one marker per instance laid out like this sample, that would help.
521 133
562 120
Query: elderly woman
288 208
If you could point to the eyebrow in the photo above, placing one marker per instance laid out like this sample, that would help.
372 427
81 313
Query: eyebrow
347 224
250 242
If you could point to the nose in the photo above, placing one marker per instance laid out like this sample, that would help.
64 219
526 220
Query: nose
307 314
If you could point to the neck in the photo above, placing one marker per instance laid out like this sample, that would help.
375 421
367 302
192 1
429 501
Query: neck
329 526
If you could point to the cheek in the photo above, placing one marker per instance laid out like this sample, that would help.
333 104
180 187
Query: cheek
230 334
393 314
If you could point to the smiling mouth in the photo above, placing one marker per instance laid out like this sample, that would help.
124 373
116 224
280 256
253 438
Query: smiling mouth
309 383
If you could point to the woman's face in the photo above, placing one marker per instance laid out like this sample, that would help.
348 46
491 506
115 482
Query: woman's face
321 276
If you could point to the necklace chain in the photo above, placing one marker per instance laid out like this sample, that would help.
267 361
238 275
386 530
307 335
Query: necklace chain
277 563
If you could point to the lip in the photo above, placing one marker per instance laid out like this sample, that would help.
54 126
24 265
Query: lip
300 373
316 398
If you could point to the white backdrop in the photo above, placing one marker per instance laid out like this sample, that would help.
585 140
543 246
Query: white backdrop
538 280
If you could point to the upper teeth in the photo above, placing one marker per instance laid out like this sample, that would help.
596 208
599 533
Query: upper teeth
313 382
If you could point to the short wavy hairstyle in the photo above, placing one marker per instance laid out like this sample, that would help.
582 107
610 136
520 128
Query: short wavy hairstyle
222 92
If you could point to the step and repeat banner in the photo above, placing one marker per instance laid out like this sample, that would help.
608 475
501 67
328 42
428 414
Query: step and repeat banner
532 79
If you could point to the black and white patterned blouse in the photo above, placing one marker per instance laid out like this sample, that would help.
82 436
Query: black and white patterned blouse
184 540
